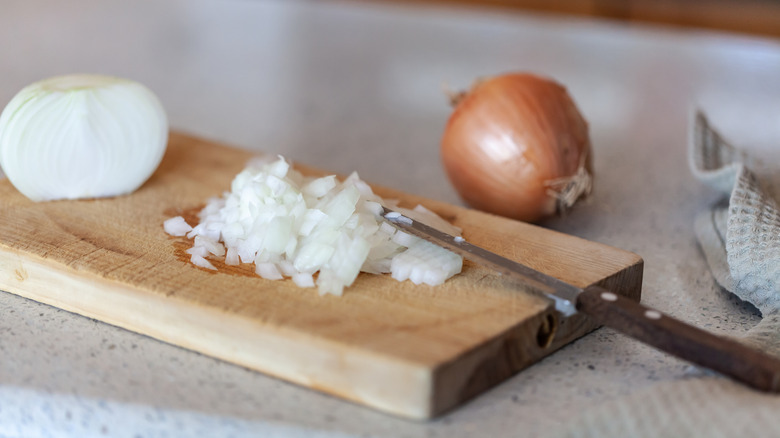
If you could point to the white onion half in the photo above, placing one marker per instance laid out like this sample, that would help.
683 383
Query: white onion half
82 136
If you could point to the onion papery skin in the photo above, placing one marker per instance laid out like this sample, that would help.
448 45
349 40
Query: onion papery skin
508 139
82 136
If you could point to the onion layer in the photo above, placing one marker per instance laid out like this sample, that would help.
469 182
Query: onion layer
517 146
81 136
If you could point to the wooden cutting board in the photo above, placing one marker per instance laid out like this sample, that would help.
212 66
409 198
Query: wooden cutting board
414 351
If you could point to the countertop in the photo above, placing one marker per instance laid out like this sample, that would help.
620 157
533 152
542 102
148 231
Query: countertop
358 86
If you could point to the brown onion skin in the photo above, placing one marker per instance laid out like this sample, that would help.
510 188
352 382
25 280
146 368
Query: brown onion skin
506 137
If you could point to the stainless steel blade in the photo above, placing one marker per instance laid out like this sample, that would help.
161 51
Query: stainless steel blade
563 294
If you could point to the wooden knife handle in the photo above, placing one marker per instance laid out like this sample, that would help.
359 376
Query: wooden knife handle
726 356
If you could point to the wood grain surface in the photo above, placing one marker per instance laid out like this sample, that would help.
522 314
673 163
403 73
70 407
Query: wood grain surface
413 351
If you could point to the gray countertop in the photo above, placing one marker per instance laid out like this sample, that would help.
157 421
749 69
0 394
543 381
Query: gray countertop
358 86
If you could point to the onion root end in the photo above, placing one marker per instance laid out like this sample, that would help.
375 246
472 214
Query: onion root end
568 190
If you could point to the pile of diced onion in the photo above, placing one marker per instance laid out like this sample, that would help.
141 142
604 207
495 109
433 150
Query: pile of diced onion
314 231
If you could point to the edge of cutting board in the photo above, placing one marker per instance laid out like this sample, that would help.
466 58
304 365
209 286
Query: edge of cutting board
69 269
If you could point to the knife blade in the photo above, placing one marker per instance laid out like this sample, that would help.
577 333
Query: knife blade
729 357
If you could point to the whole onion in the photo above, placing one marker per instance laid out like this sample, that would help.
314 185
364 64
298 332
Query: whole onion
517 146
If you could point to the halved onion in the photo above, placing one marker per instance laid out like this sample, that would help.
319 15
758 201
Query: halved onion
82 136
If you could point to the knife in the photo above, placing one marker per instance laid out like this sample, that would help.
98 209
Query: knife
717 353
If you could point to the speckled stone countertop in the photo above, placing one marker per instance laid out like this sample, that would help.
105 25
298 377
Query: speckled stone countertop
357 86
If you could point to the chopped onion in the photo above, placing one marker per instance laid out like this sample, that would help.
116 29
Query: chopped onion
202 262
404 239
176 226
269 271
423 262
199 251
303 279
294 227
231 256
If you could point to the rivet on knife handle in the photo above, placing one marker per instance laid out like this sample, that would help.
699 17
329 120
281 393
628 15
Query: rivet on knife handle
726 356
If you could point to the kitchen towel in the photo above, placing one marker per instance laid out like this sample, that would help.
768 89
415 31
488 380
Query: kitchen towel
740 240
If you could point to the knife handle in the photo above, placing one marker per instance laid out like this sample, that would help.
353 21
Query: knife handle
724 355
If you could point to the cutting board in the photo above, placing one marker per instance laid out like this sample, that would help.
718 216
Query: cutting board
413 351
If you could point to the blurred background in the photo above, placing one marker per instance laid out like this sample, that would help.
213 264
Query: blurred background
757 17
347 85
